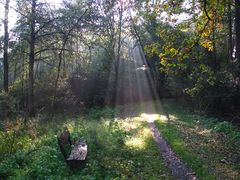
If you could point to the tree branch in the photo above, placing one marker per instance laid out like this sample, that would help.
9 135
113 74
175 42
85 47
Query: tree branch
205 9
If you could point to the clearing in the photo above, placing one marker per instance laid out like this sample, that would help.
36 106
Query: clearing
121 145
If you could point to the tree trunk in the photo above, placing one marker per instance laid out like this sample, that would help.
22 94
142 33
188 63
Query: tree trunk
116 77
237 26
31 60
5 48
230 42
214 52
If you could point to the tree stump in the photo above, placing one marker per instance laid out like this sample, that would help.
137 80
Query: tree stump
74 152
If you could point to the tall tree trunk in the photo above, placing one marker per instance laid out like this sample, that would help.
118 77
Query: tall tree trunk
23 100
31 60
15 70
214 52
116 77
5 48
237 26
230 41
60 57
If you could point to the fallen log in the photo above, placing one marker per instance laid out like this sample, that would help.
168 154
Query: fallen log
74 152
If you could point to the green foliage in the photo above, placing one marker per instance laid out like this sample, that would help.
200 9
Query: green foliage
228 129
13 137
45 160
213 91
89 81
7 105
99 113
7 166
192 54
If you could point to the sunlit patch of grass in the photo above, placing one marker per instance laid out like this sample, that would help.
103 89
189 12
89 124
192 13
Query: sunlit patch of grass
138 139
204 132
163 118
145 153
136 143
150 117
129 124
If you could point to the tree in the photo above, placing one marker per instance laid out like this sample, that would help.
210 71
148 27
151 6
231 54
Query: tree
5 48
34 27
230 36
118 53
237 27
32 40
65 38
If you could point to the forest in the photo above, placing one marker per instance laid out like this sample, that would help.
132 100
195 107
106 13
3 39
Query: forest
150 89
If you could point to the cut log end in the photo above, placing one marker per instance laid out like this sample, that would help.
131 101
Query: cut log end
79 151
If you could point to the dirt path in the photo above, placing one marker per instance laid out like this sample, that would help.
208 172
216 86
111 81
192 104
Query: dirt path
179 169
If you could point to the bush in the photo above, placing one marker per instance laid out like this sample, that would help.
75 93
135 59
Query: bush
97 113
13 137
90 89
214 93
7 105
228 129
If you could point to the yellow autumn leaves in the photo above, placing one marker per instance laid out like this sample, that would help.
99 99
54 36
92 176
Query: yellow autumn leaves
207 44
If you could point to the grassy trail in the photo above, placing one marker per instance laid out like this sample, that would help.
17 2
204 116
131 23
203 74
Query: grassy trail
178 167
208 146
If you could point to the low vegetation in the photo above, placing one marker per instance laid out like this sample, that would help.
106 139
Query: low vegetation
120 145
118 148
209 146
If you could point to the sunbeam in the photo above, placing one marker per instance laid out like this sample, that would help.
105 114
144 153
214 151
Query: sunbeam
135 83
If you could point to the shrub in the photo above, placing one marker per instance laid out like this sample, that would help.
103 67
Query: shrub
98 113
13 137
7 105
228 129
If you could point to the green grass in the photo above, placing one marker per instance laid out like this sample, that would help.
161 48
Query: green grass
117 148
208 146
120 144
176 141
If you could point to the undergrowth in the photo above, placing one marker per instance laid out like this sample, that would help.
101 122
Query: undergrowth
120 145
209 146
31 151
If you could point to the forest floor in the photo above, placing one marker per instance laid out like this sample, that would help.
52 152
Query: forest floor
121 145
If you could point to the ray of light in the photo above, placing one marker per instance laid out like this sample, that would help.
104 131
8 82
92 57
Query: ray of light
135 84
